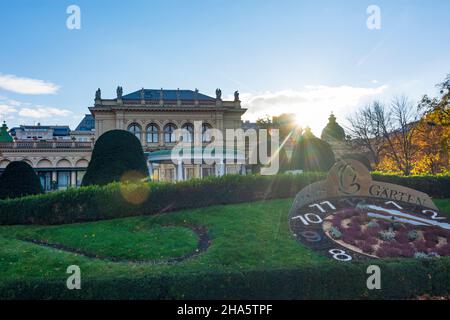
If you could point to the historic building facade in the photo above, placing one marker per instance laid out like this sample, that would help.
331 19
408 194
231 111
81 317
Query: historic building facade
60 156
153 115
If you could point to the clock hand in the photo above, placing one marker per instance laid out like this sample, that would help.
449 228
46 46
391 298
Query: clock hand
389 218
406 215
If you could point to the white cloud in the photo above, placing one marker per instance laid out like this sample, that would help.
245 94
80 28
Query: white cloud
5 109
22 85
40 112
312 105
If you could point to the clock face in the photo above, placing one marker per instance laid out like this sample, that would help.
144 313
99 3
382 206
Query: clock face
350 228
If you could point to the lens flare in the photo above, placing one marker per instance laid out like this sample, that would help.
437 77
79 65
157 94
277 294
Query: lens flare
133 187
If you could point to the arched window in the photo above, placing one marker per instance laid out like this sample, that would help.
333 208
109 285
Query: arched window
189 135
135 129
206 136
152 133
169 133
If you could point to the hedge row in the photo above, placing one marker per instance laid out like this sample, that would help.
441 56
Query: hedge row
106 202
399 280
435 186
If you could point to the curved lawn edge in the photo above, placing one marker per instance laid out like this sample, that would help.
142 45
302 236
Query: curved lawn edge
202 245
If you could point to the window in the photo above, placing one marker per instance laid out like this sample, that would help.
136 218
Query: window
207 172
80 175
155 175
231 170
189 173
152 133
46 180
169 174
189 135
169 133
206 136
63 179
136 130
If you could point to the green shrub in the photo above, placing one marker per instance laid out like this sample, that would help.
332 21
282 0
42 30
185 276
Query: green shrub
115 153
387 235
437 186
413 235
18 180
329 280
106 202
335 233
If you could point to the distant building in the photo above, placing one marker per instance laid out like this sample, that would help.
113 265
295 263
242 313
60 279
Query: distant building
59 159
85 131
246 125
41 133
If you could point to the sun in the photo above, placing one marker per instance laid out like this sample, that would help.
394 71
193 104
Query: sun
311 119
301 121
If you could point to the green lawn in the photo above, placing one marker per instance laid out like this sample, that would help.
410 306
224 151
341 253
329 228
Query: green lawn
246 236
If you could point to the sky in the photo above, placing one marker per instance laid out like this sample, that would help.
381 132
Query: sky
304 57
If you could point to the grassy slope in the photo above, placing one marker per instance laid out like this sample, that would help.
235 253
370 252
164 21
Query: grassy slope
116 239
245 236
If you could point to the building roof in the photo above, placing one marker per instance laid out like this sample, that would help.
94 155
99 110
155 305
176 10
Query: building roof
87 124
155 94
58 131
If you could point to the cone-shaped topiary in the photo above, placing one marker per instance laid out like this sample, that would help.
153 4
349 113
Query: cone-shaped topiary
18 180
312 154
116 152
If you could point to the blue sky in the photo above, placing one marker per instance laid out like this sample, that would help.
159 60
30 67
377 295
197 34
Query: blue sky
306 57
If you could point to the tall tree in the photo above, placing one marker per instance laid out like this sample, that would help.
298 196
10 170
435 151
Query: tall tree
399 128
387 132
438 106
366 130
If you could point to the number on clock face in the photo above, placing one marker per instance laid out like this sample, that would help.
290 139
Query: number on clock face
312 223
340 255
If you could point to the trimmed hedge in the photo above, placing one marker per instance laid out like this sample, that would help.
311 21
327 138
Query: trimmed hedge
312 154
117 155
331 280
435 186
106 202
18 180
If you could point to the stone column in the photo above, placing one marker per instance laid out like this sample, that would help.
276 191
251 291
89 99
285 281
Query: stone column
161 137
150 170
54 178
220 168
180 171
198 171
73 179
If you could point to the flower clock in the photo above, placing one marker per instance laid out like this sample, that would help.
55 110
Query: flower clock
348 216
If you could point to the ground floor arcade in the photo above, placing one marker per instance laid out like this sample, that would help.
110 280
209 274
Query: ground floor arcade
163 166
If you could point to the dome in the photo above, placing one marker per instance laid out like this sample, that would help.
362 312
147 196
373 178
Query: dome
333 131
